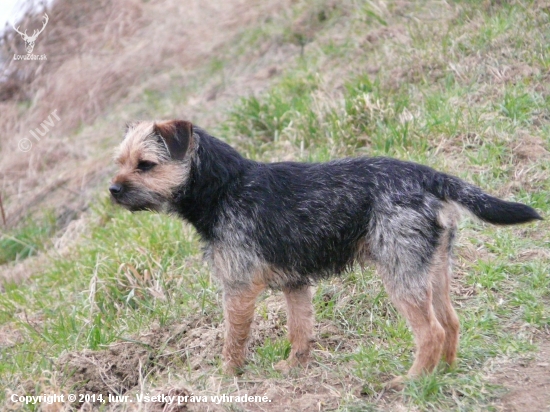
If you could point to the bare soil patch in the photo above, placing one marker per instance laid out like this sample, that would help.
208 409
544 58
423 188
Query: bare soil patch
122 365
527 382
145 363
529 149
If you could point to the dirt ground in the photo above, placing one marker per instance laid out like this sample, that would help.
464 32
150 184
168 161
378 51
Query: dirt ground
195 346
527 381
152 363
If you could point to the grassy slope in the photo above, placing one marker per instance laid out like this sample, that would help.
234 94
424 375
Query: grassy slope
461 87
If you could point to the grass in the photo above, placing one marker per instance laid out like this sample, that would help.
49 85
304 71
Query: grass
27 239
451 95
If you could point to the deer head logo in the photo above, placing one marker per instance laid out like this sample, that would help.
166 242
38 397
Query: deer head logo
29 40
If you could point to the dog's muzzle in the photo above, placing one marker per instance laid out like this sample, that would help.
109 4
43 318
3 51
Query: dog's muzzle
115 189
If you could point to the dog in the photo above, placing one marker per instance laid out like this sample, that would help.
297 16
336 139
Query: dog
287 225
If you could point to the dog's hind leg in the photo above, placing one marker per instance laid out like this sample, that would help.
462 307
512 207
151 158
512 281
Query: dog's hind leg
428 333
440 274
404 244
300 323
239 313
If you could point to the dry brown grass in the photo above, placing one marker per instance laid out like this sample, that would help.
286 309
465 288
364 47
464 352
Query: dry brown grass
100 53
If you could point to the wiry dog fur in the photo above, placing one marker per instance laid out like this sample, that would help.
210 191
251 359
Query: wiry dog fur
286 225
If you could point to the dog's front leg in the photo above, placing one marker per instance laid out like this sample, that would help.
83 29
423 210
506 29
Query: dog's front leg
300 322
239 312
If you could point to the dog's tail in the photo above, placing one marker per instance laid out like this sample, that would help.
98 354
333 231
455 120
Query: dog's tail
484 206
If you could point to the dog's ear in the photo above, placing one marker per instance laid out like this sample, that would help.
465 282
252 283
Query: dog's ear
177 135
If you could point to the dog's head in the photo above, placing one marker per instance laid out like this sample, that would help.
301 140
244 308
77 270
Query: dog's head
154 161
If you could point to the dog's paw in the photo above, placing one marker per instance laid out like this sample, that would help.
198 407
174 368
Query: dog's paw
293 361
232 369
396 384
283 366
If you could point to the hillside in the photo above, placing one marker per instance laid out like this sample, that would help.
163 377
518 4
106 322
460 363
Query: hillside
95 299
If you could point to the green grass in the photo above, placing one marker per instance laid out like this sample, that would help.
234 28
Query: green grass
27 239
110 288
451 95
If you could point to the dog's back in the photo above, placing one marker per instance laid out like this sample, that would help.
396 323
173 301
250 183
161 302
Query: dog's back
312 220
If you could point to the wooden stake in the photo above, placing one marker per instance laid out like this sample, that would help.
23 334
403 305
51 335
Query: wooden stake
2 210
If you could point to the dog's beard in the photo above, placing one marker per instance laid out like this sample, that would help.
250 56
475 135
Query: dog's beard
136 201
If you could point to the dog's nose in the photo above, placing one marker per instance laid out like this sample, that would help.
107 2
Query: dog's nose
115 189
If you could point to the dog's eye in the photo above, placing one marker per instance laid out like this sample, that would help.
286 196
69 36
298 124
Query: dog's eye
145 165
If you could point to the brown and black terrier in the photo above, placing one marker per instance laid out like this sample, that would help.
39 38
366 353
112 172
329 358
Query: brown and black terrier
286 225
